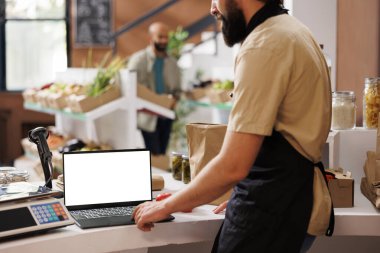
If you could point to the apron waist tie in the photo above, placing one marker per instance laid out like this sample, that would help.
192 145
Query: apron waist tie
330 229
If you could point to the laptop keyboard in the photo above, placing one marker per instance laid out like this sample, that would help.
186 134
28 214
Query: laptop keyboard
102 212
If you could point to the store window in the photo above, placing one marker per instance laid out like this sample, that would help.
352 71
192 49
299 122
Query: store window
33 42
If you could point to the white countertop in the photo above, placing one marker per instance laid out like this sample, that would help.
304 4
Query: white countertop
199 226
361 220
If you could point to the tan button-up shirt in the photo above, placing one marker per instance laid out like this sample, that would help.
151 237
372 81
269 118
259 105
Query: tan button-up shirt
282 82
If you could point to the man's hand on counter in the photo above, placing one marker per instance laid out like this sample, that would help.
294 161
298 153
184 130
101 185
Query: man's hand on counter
147 213
231 165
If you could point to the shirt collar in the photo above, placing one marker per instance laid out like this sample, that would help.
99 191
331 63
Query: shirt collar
150 52
270 9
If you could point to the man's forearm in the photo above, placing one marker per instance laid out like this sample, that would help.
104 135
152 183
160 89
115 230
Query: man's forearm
209 184
221 174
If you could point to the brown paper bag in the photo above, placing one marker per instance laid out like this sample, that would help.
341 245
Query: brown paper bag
372 168
370 192
204 143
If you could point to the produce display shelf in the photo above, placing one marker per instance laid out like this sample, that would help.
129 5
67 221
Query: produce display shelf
221 106
156 109
96 113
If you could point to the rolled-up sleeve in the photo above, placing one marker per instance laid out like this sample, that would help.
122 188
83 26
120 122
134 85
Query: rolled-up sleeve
261 81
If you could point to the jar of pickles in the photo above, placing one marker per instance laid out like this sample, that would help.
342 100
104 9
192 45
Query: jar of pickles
186 177
176 160
371 102
343 110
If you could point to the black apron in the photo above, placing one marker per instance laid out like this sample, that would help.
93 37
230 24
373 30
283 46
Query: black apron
269 211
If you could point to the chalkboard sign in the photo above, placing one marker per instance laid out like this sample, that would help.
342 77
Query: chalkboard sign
93 21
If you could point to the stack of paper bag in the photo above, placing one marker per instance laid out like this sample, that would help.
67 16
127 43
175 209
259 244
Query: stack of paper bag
370 184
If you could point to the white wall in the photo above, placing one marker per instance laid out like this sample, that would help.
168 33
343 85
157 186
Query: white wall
321 18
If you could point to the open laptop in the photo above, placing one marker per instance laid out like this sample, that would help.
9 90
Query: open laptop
101 188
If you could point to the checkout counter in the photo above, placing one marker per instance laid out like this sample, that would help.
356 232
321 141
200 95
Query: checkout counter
197 228
189 232
357 229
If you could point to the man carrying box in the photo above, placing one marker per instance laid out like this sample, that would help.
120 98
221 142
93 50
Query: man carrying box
159 72
278 125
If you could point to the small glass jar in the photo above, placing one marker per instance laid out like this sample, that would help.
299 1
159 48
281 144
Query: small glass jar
176 159
343 110
186 177
371 102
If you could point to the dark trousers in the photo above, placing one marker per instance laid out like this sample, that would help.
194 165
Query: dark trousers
269 211
157 141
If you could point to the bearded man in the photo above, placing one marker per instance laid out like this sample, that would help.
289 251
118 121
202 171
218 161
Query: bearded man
158 71
279 123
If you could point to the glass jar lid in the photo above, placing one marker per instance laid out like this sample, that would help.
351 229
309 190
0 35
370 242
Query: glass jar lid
176 154
373 80
343 95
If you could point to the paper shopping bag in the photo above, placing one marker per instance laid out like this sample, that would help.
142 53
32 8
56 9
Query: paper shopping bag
204 143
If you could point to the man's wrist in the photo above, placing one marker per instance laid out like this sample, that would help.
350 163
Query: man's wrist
169 206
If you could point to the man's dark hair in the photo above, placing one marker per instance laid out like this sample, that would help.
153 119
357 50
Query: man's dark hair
278 2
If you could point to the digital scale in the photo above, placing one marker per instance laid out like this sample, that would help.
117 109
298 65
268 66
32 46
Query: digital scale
32 216
27 208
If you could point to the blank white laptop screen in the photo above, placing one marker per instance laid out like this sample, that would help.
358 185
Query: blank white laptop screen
107 177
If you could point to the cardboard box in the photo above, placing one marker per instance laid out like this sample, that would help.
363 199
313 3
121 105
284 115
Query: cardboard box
218 96
196 93
56 101
145 93
84 103
29 95
41 98
161 162
158 182
341 190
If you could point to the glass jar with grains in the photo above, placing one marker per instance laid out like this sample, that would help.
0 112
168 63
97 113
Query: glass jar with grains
176 159
343 110
371 102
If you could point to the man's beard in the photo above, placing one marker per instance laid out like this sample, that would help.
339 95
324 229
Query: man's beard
233 25
160 47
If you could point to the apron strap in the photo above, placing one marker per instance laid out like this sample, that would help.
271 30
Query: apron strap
330 229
